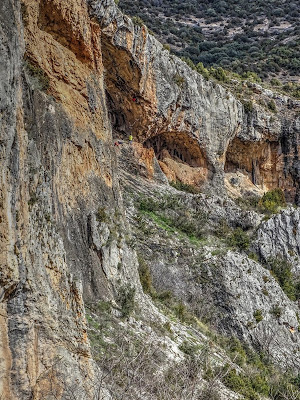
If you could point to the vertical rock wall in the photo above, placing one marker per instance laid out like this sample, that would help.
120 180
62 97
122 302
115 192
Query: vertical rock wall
61 218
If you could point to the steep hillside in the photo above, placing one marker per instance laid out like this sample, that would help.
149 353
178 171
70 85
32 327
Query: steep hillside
259 36
113 283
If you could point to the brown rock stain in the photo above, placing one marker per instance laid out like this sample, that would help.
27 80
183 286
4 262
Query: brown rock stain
65 44
5 355
72 179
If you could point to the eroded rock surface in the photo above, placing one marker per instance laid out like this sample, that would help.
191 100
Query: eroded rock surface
279 236
68 81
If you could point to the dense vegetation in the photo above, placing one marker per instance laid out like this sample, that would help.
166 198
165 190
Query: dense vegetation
259 36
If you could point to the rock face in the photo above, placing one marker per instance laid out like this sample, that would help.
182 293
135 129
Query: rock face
279 236
159 99
58 170
69 84
195 122
267 147
235 293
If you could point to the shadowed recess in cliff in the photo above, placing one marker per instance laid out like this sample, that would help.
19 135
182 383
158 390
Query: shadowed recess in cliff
53 21
178 146
180 157
262 161
122 78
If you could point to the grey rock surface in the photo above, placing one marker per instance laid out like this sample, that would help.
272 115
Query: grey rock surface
174 97
280 236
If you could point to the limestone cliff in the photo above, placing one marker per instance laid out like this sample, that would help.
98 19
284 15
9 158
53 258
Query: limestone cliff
58 170
189 120
75 76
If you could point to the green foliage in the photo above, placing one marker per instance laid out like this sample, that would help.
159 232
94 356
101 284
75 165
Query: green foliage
149 204
188 348
180 220
248 106
202 70
184 187
189 62
268 204
248 48
145 276
177 307
219 73
38 74
166 46
281 269
275 82
179 80
239 239
292 89
126 300
137 21
271 201
101 215
265 292
272 106
251 76
258 315
240 384
276 311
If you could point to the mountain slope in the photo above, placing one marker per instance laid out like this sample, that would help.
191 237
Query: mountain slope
238 35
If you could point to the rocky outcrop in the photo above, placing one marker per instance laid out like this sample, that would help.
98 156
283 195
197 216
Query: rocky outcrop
194 122
236 294
267 147
159 99
280 236
68 82
58 169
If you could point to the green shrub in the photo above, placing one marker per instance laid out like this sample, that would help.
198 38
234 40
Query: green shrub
189 348
276 311
189 62
271 201
260 384
101 215
281 269
272 106
145 276
39 74
149 204
137 21
219 73
239 239
251 76
275 82
202 70
126 300
241 384
179 80
248 106
258 315
184 187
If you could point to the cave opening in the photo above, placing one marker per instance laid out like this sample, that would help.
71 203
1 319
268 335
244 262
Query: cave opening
179 147
261 161
180 157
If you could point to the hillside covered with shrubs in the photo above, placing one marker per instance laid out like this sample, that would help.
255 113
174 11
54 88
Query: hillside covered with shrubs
257 36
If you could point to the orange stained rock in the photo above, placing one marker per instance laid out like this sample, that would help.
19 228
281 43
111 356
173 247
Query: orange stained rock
64 43
175 170
145 157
